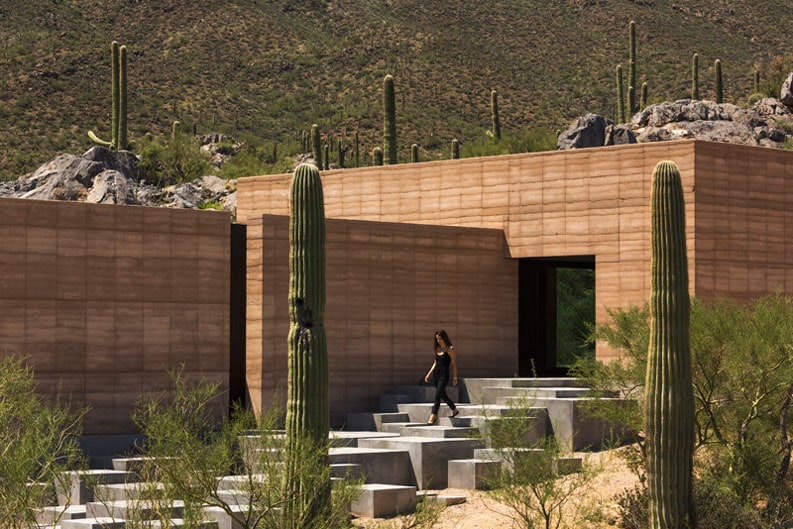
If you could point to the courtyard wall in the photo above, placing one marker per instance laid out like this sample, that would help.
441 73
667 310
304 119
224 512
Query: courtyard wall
104 300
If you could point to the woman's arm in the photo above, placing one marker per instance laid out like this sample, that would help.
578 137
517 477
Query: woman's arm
427 376
453 355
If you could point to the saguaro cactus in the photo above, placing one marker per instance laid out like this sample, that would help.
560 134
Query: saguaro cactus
632 67
357 151
719 83
669 400
389 121
695 77
316 146
455 149
118 103
414 153
620 96
307 411
377 156
494 115
645 96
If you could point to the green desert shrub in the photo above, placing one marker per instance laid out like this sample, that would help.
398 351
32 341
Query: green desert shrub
173 160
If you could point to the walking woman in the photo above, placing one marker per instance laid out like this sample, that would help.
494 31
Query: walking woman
443 369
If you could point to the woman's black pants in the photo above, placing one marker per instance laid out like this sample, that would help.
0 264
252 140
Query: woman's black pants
440 393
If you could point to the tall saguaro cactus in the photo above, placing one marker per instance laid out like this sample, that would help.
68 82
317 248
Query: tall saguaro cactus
719 83
389 121
669 399
632 82
695 77
316 146
494 115
620 96
118 104
307 412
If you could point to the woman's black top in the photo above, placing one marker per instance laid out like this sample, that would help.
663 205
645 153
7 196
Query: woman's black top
442 362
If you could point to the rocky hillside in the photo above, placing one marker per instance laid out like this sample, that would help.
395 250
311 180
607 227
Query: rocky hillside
269 68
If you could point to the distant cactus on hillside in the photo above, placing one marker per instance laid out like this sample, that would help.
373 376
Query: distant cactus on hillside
118 90
389 121
695 77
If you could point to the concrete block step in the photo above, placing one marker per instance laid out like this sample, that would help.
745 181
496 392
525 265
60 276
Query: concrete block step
134 509
389 402
77 487
472 474
396 427
420 412
346 471
378 464
560 465
426 392
428 456
472 387
55 514
225 520
344 438
440 431
242 481
491 394
441 499
105 522
379 500
126 491
360 421
573 428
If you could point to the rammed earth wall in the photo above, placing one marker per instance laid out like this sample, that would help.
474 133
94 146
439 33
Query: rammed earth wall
588 202
104 300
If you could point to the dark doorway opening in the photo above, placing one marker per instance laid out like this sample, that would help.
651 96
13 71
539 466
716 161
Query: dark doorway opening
556 304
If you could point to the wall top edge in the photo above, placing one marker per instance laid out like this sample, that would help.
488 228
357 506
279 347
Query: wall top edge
137 207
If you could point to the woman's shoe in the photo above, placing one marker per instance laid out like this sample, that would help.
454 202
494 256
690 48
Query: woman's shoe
432 419
455 412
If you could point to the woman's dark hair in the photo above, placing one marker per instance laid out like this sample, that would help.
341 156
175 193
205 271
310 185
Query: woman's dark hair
443 335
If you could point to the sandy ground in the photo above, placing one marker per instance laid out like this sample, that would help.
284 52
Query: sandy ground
482 512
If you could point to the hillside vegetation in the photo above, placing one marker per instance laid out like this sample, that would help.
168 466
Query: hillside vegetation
267 69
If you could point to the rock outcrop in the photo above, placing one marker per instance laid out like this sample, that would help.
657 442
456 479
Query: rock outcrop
766 123
104 176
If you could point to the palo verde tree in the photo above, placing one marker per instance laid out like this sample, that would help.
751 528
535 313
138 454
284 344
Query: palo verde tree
669 396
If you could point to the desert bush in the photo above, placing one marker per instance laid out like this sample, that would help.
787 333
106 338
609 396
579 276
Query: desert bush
172 161
38 440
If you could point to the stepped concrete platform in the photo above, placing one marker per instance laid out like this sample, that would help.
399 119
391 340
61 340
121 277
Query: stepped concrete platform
345 438
574 430
56 513
428 456
223 519
106 522
125 491
472 474
378 464
378 500
346 471
440 499
77 487
560 465
439 431
473 388
134 509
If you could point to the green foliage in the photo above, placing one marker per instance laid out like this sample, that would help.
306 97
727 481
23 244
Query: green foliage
774 72
575 295
538 488
308 409
389 121
742 358
529 140
669 398
171 162
37 442
191 442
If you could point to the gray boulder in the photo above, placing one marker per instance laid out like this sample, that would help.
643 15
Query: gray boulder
786 94
586 131
67 177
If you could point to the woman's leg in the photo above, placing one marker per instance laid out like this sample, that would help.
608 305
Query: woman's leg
440 393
